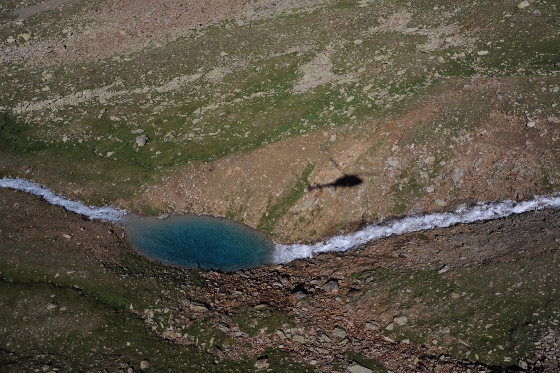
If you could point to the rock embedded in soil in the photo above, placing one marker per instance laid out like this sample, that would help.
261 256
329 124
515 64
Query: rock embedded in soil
339 332
331 287
356 368
262 363
141 140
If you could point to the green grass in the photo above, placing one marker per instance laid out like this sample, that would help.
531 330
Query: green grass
63 328
371 364
281 206
405 192
254 320
484 314
546 184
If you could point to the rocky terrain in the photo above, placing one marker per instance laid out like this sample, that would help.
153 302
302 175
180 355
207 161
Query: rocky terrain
472 298
239 108
303 119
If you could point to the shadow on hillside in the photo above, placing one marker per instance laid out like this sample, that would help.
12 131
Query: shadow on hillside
346 181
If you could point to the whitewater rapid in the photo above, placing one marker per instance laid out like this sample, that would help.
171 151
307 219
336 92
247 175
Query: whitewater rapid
107 213
286 253
480 212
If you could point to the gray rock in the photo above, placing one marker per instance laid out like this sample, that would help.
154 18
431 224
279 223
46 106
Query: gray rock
144 364
242 274
357 368
393 162
223 328
51 306
198 307
339 332
298 338
141 140
262 363
400 320
457 175
331 286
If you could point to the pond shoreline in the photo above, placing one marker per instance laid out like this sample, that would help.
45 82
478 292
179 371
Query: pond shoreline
284 253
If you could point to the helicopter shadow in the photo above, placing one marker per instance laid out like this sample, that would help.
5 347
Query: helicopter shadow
345 181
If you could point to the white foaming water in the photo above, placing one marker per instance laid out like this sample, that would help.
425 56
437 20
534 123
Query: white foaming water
287 253
102 213
480 212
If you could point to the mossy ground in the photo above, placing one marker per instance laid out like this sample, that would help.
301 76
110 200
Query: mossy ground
493 313
263 319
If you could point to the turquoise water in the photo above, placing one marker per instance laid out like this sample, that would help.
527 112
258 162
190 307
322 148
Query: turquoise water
199 242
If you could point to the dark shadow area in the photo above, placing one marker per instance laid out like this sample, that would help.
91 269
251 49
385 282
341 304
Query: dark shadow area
345 181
